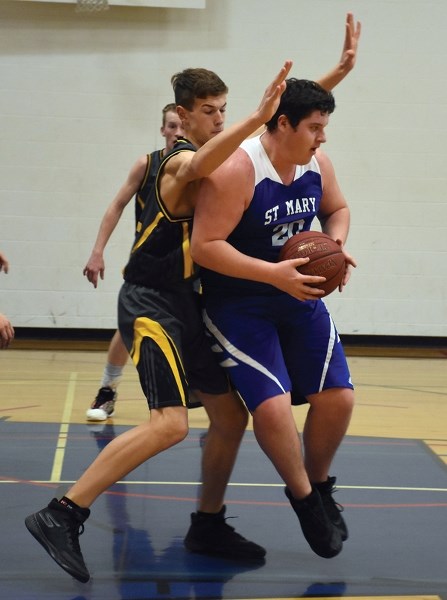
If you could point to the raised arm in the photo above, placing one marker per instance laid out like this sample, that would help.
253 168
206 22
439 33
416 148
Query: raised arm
348 55
220 147
95 265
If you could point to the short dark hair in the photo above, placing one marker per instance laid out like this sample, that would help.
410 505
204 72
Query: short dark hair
300 99
171 107
196 83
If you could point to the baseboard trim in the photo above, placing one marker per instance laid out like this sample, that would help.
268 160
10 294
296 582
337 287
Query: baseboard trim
70 339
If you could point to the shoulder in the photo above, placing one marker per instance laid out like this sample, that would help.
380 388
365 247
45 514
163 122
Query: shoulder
138 170
325 164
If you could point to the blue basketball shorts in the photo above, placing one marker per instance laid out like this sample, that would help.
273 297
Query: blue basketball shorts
270 345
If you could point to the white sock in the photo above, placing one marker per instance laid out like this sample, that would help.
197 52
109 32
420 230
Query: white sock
111 376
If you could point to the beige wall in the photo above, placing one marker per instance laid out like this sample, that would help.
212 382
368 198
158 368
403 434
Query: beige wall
80 100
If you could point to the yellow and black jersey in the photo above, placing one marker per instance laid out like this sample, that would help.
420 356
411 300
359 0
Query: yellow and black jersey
153 164
160 256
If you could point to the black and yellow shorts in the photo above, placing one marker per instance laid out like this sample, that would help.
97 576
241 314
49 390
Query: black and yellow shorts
164 333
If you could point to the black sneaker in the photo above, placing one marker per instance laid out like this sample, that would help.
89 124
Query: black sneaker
321 535
58 529
104 405
332 508
211 535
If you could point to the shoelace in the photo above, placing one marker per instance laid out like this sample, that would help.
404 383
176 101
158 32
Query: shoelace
334 503
75 531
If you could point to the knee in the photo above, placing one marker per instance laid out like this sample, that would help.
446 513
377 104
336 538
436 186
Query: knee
172 425
342 401
335 401
229 416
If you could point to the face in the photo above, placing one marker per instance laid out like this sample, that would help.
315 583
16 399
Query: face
302 142
172 129
205 120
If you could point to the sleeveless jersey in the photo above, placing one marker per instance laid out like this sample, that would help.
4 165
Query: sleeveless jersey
160 256
153 163
276 212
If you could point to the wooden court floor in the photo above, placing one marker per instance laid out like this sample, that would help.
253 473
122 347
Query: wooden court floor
392 480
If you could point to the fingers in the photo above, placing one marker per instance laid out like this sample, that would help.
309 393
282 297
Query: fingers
6 334
280 78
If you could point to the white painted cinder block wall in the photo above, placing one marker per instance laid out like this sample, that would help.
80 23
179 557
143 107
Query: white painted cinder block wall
80 100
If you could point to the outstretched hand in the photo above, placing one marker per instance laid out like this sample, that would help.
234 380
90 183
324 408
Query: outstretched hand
272 95
352 36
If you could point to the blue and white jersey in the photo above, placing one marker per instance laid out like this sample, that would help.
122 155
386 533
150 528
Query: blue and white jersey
276 213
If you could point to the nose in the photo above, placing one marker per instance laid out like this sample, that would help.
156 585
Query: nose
220 117
322 137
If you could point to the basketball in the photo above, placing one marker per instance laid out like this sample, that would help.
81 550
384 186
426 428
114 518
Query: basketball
326 258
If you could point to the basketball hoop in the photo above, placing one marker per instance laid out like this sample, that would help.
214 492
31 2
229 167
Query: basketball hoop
90 6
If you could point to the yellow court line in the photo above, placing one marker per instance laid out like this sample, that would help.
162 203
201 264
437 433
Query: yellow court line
63 430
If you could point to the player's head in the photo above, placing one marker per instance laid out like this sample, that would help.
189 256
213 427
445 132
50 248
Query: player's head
171 128
297 129
192 84
201 99
299 100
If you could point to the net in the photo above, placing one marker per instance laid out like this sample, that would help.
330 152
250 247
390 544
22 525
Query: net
91 5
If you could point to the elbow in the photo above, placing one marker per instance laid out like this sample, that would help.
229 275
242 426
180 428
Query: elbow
195 251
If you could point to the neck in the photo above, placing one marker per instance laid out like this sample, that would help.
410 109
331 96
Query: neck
282 165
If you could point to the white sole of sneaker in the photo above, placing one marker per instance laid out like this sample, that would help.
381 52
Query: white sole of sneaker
97 414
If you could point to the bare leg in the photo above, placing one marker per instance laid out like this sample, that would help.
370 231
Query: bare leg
117 354
326 424
209 533
228 420
276 432
165 428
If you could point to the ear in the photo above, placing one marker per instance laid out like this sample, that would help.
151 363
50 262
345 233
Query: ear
182 112
283 122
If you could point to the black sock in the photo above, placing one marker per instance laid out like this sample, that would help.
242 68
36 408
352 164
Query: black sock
211 515
67 503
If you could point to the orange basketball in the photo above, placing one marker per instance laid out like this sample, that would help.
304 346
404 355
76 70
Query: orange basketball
326 258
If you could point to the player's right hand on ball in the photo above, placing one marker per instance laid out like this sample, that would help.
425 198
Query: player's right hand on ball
287 278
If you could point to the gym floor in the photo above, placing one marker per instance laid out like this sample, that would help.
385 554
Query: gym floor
391 476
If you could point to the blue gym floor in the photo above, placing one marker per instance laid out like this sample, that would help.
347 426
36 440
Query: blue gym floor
394 492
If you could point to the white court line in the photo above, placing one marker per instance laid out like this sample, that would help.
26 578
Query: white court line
269 485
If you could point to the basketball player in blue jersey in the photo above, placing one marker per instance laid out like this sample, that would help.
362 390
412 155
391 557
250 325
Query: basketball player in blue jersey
139 183
160 323
269 327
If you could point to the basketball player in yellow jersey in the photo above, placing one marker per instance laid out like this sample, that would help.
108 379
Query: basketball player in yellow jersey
157 324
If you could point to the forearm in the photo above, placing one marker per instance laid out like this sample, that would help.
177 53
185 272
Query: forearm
333 77
218 149
336 225
106 228
220 256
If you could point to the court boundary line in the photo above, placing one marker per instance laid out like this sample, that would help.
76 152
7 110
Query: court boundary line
61 444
